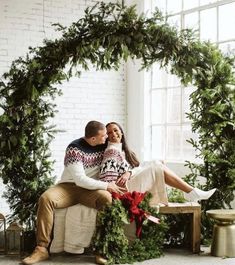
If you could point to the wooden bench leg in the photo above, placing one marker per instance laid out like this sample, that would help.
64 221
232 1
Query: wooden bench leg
194 209
196 231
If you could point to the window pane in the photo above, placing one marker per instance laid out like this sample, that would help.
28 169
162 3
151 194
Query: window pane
227 22
208 25
228 47
173 149
187 91
159 77
160 4
158 142
174 6
192 21
173 80
188 4
158 106
188 150
206 2
174 21
173 105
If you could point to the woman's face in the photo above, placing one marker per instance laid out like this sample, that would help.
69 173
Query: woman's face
114 133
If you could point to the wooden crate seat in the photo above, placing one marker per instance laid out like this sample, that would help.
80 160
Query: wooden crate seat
192 208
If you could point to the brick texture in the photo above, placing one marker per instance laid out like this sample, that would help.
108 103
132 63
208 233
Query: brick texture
96 95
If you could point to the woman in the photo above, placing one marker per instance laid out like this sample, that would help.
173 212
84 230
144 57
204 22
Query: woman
122 166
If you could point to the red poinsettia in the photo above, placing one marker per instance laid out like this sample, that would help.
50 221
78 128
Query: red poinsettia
131 201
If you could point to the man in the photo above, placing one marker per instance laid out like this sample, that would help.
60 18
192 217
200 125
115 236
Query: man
79 184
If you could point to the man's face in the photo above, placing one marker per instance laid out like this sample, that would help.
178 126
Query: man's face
100 137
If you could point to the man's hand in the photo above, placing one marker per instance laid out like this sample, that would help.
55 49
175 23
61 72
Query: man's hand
112 187
123 179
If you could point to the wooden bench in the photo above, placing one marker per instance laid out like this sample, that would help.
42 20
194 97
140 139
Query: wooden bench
192 208
69 222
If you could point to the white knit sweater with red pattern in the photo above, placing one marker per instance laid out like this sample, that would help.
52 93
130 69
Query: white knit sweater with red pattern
82 165
114 163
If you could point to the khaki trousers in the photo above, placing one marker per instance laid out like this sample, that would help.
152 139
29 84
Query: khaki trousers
64 195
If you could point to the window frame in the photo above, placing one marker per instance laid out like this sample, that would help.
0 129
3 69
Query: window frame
165 124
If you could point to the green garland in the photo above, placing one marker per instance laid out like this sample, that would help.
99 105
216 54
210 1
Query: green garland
111 242
104 37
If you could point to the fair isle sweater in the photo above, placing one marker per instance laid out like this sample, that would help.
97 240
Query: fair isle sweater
82 165
114 163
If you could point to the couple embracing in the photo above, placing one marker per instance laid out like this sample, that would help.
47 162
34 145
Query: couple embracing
95 166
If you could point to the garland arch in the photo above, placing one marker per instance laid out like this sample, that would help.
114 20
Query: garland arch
107 35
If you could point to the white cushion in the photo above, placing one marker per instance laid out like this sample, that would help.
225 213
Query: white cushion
73 229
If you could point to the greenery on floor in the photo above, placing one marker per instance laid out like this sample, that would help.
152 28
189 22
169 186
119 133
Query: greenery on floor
104 37
110 240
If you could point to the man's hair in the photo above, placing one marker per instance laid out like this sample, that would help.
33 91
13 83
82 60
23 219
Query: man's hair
92 128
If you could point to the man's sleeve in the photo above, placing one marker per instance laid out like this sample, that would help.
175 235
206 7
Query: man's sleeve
77 171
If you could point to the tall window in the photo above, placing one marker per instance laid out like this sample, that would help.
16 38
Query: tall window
214 20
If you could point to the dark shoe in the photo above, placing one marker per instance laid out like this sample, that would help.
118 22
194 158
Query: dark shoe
100 260
37 256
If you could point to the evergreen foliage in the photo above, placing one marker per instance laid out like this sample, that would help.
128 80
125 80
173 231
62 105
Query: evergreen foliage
107 35
111 242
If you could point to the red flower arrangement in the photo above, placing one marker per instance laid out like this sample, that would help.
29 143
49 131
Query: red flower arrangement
131 201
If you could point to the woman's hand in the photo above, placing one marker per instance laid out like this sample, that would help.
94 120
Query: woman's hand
123 179
113 187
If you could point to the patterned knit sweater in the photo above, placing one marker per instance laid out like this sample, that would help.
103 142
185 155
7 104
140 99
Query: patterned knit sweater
114 163
82 165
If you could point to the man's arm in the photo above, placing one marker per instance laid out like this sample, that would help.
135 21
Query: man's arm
77 171
75 168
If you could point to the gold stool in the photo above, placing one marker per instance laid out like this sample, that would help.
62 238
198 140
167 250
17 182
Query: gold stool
223 240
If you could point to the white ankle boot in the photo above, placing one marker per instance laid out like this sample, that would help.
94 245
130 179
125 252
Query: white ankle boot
198 195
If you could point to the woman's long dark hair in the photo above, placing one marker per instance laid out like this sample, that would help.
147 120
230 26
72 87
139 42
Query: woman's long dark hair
130 155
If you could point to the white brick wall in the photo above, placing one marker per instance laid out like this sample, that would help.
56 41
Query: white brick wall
96 95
